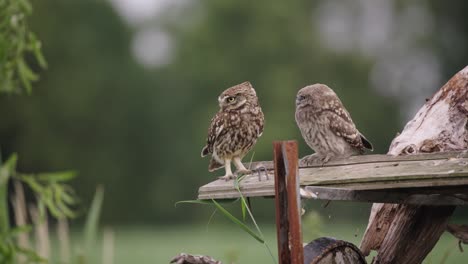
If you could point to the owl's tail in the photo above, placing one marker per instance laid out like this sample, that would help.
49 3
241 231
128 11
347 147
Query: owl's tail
214 165
366 143
205 151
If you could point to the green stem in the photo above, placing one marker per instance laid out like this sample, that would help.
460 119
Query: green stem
4 213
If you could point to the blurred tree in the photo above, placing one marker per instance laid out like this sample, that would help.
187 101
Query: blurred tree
139 131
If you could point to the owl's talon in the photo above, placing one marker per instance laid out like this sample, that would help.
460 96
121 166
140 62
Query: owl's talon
228 177
259 169
310 160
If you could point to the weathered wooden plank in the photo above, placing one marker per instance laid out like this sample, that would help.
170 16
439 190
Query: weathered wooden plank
250 187
361 159
417 196
266 188
388 185
444 169
386 171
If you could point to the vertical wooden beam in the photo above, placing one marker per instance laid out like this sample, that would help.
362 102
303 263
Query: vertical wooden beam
281 203
290 157
288 208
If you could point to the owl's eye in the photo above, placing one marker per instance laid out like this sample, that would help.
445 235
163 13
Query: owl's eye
300 98
230 99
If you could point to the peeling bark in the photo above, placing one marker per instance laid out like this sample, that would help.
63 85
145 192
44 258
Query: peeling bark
440 125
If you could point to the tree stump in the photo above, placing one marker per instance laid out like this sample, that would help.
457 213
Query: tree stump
440 125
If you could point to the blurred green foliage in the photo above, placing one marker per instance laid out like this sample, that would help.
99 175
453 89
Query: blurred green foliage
138 131
16 42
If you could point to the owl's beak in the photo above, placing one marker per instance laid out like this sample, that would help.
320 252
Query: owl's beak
299 99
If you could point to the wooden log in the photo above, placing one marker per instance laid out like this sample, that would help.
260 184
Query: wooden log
184 258
413 223
440 125
327 250
459 231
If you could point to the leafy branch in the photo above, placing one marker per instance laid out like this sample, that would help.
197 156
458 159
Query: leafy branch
16 42
53 194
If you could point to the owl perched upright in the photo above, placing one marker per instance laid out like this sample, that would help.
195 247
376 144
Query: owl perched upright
326 126
234 130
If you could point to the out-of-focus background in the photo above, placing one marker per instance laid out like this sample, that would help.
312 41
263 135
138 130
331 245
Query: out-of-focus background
132 85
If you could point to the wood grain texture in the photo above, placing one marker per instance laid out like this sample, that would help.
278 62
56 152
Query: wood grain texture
370 172
290 157
417 196
281 206
440 125
413 223
326 250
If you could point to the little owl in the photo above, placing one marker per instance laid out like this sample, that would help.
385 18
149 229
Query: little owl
326 126
234 130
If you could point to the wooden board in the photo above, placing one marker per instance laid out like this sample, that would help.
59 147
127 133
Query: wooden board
418 196
369 172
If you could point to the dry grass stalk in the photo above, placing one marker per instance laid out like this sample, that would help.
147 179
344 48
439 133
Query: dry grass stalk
42 232
108 246
19 207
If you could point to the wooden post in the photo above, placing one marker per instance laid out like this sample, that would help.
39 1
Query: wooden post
407 233
288 217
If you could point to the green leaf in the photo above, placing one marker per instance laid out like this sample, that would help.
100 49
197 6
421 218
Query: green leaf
243 210
10 164
31 255
20 229
243 203
238 222
26 75
36 47
27 7
57 176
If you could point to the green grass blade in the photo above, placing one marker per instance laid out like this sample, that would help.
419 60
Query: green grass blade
92 221
243 202
238 222
246 207
6 170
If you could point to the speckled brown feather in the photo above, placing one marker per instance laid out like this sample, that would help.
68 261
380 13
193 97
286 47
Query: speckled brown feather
234 131
326 125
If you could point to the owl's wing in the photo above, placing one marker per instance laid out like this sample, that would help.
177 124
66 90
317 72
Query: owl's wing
214 131
342 126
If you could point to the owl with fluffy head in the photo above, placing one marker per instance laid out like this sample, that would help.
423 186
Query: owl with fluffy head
234 130
326 126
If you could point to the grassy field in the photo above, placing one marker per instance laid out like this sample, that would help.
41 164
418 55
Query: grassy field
230 244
